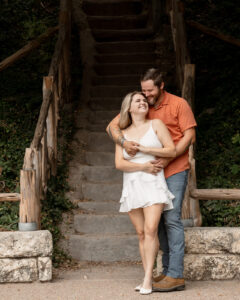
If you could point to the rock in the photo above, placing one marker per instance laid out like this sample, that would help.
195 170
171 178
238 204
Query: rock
18 270
210 253
206 267
212 240
25 244
45 268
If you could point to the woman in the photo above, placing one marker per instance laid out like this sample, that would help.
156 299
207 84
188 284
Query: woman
145 194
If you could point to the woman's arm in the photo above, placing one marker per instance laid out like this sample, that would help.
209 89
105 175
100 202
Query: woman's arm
127 166
169 149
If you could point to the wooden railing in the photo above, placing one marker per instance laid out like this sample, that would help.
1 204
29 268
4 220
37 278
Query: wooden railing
186 81
40 160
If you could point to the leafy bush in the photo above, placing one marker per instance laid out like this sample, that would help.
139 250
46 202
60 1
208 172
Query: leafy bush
217 102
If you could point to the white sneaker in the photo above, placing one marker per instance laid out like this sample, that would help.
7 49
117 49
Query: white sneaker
144 291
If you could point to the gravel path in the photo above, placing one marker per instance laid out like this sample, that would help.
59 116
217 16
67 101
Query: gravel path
112 282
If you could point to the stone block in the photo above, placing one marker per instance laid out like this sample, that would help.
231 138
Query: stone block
206 267
25 244
210 253
212 240
18 270
45 268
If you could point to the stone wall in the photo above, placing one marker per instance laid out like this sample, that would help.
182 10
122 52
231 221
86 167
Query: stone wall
25 256
210 253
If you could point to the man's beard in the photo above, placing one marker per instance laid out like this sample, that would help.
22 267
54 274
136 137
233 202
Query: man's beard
154 99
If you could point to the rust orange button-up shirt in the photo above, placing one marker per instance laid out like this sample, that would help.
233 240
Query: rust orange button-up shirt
177 115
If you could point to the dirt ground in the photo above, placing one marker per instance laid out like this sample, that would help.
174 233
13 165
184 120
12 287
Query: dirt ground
112 282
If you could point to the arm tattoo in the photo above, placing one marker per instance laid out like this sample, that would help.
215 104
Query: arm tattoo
117 137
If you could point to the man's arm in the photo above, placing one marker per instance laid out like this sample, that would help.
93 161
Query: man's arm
189 138
115 133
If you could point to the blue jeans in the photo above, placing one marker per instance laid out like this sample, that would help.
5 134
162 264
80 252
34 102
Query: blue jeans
171 231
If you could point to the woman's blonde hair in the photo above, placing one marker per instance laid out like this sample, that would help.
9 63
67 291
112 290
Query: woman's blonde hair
125 116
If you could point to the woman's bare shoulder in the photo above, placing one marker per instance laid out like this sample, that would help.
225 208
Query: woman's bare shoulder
157 123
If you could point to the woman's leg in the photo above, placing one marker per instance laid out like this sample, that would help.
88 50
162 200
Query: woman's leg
152 215
137 218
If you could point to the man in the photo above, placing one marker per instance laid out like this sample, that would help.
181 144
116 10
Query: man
179 119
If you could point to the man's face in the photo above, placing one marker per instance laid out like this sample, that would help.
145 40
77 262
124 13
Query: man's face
151 91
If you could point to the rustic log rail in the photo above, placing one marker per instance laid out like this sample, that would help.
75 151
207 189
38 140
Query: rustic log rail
40 160
186 80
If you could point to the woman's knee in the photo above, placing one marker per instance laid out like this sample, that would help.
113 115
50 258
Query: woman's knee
151 230
140 233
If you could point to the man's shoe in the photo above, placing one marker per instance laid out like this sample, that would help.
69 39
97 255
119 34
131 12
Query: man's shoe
169 284
159 278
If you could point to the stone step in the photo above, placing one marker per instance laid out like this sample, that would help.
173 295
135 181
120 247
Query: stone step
99 103
95 141
122 35
122 68
104 248
91 116
113 91
118 22
94 173
99 207
116 80
112 8
97 127
103 224
125 47
100 158
126 58
102 115
102 192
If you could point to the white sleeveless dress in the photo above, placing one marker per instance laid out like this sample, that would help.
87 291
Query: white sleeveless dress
141 189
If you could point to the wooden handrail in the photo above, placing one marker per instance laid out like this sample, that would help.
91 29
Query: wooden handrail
28 48
10 197
218 35
40 159
216 194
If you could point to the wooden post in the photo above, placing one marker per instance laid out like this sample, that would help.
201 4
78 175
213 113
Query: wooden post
191 208
45 168
29 210
52 138
179 39
47 97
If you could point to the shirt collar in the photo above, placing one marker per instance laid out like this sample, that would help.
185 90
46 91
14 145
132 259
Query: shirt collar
164 101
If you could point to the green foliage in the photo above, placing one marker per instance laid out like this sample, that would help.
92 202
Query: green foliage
217 106
9 213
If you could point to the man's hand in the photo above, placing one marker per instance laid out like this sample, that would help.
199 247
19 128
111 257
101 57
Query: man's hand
162 162
130 147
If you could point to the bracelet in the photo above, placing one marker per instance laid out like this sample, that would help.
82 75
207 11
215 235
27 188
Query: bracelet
122 141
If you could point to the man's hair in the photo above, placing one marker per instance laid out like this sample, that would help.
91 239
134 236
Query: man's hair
153 74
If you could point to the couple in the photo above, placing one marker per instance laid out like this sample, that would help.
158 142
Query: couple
144 146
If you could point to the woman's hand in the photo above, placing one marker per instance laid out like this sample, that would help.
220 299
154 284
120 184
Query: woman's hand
142 149
151 168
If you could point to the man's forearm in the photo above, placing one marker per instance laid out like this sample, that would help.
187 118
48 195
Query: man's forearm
115 134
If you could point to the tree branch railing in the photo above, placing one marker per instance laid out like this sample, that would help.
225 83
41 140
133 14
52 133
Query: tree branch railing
40 160
186 80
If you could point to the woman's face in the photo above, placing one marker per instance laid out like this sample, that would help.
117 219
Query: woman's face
139 104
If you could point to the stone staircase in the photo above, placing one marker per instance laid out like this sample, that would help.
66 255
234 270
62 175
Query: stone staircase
124 47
